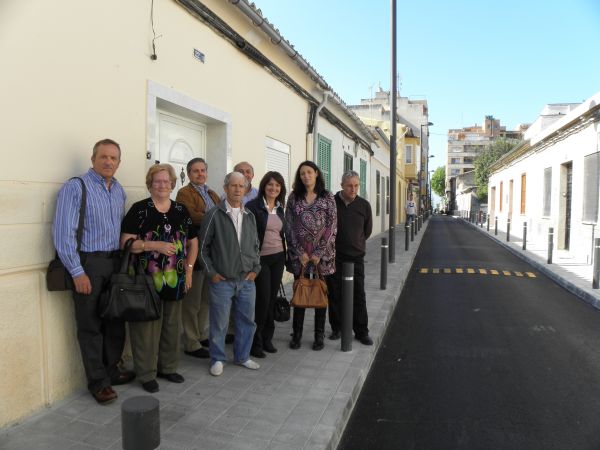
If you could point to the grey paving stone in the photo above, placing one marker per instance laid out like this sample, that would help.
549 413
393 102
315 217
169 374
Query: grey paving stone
35 441
80 446
216 440
229 424
320 437
261 428
103 437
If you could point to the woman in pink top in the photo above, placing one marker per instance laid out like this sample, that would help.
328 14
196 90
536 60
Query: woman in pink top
267 208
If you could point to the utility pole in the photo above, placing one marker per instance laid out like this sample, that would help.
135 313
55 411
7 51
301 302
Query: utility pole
393 151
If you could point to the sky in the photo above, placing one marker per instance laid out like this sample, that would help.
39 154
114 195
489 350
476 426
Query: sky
467 58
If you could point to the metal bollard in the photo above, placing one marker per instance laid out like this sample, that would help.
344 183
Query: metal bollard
508 230
550 243
596 272
348 305
140 423
480 219
420 222
406 236
524 235
383 266
487 222
412 230
416 225
496 226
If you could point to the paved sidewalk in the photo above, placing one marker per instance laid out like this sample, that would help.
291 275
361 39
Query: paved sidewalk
570 273
299 399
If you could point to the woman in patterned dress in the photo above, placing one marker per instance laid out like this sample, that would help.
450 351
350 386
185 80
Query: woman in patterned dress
166 243
311 225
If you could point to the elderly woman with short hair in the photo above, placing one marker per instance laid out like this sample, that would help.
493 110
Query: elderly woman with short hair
166 243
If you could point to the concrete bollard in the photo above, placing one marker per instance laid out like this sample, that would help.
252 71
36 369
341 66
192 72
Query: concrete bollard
596 272
383 267
550 243
140 423
508 230
406 236
348 305
524 235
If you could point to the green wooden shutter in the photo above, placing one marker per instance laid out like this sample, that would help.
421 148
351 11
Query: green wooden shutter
363 178
324 160
348 162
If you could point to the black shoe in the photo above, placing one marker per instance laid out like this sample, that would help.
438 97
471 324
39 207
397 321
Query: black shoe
151 386
295 342
200 353
172 377
318 344
205 343
257 352
268 347
123 378
335 335
365 340
229 338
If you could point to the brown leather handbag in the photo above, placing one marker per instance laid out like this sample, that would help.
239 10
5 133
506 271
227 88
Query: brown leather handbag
310 293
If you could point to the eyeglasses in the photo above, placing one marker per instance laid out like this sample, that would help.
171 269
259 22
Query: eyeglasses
161 182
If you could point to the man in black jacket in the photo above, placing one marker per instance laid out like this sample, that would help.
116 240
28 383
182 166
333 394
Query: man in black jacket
355 223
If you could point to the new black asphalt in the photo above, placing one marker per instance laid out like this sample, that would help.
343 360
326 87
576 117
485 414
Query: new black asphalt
477 360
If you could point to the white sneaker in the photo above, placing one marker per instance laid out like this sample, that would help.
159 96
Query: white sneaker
216 369
249 364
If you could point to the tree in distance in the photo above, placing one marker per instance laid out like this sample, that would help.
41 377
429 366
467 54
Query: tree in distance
438 181
490 154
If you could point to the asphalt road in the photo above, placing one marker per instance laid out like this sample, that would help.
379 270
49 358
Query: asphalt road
479 360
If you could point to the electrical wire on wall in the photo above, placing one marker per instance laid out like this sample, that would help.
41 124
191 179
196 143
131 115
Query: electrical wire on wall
153 56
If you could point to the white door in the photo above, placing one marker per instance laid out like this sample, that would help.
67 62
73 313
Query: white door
179 140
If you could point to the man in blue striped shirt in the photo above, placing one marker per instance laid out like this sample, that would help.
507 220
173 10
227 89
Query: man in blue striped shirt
101 342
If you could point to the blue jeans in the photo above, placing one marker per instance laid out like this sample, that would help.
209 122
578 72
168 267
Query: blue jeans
241 294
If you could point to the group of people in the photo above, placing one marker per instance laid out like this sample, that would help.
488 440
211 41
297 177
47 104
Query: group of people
216 263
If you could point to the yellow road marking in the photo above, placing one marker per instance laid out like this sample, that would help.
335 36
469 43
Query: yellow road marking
459 271
470 271
447 270
507 273
424 270
494 272
483 271
530 274
436 270
519 274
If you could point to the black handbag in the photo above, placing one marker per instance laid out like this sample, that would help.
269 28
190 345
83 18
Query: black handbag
58 277
131 298
282 306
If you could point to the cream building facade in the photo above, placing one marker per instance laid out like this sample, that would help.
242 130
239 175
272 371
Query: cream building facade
167 80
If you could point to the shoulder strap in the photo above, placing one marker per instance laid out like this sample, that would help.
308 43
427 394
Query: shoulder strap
81 213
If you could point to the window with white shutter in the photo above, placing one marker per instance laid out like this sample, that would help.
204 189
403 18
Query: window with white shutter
278 159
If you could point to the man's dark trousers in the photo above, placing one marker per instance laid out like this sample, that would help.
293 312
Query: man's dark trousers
360 318
100 341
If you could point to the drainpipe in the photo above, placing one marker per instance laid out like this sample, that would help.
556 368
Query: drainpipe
315 129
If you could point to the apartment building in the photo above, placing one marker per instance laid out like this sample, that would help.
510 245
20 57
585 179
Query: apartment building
465 144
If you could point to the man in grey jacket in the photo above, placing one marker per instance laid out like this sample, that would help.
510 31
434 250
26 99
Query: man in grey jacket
231 260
